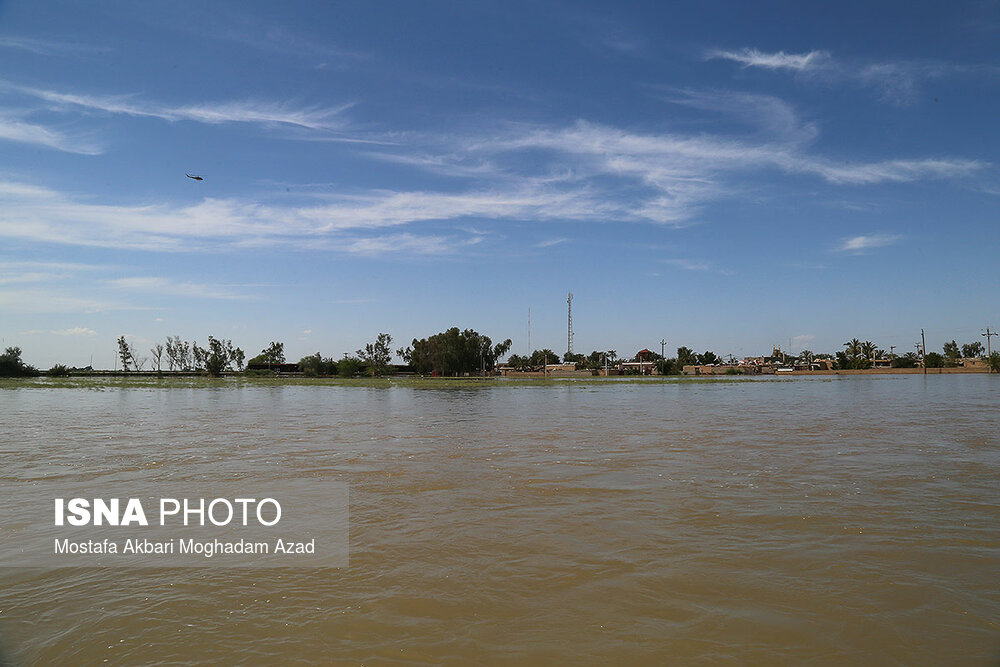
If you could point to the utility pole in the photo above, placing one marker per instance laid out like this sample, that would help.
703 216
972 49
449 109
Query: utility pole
989 334
569 324
923 343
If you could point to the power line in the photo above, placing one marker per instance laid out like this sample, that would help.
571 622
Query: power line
989 334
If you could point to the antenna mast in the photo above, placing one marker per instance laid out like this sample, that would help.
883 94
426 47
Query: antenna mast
529 332
569 324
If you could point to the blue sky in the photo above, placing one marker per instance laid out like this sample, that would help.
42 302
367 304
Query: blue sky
723 176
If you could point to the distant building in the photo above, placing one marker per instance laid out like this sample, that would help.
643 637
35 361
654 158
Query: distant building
644 355
642 367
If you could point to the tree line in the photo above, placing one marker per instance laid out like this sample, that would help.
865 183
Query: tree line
461 352
219 357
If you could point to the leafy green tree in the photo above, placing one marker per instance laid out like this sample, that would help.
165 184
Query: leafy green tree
309 365
238 356
218 358
543 357
499 350
934 360
126 352
378 354
179 357
457 352
951 351
708 358
667 366
349 366
58 370
199 356
594 360
272 354
12 366
973 349
908 360
517 361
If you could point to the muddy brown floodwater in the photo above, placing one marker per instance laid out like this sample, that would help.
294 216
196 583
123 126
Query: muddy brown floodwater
812 521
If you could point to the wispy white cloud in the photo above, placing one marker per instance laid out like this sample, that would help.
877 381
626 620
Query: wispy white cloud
689 264
891 171
75 331
21 131
802 339
857 244
46 47
247 111
52 300
548 243
780 60
15 265
28 277
238 27
683 173
585 172
407 243
20 272
168 287
895 82
48 216
772 115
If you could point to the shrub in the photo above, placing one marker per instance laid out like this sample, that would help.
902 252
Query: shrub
993 362
348 367
934 360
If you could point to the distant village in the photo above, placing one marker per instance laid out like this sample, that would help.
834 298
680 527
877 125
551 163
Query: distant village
778 362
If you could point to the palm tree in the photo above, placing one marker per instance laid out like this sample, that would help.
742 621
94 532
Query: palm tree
868 351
